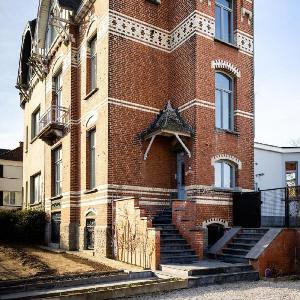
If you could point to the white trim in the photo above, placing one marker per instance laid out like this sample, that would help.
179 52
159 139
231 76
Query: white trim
284 150
213 202
215 221
228 158
220 64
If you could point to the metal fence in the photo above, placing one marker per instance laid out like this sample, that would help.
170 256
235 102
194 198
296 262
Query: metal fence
280 207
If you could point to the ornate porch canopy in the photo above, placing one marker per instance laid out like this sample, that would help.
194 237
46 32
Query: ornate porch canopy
168 123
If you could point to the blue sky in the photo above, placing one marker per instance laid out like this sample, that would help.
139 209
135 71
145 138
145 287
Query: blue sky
277 65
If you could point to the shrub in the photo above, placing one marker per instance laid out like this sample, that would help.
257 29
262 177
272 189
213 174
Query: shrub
24 226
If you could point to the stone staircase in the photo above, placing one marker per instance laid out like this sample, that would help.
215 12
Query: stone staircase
241 244
173 247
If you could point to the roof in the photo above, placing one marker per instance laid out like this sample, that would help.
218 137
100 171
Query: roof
15 154
72 4
168 121
267 147
2 151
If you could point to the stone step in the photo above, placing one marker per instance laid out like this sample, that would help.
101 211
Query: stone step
166 235
254 236
201 271
245 241
168 253
172 241
181 247
235 251
255 230
165 226
161 221
221 278
169 231
179 259
240 246
232 258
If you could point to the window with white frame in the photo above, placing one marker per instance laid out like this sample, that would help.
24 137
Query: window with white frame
12 198
224 20
224 175
92 158
93 63
224 102
57 176
36 195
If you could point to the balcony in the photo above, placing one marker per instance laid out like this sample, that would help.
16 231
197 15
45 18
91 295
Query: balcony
53 124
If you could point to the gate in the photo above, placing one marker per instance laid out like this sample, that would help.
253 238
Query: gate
90 233
247 209
55 227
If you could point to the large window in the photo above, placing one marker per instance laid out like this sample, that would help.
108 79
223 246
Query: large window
36 195
224 102
224 20
12 198
291 173
51 34
224 175
57 176
92 159
58 93
35 122
93 64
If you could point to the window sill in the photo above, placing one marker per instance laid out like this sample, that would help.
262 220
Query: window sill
221 130
91 93
226 43
90 191
227 190
56 197
35 204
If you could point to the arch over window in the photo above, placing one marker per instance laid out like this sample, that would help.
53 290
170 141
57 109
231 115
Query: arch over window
224 101
228 67
225 174
91 213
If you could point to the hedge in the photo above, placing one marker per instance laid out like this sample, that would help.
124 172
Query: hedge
22 226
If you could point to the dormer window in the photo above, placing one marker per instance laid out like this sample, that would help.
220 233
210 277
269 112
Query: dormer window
51 33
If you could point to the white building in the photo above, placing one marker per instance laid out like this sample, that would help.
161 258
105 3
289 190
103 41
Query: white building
276 167
11 173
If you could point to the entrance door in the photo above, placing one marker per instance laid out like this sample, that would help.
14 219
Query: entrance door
55 228
180 176
90 233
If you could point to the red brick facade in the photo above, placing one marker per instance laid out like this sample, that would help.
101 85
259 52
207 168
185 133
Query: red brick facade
149 54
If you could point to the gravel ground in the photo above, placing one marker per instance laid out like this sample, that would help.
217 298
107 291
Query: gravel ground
260 290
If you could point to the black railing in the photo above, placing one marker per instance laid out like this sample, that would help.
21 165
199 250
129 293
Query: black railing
280 207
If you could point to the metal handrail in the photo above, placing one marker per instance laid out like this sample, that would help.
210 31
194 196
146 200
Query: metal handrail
54 115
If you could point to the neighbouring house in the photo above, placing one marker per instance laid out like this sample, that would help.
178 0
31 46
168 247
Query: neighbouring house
135 111
11 173
276 167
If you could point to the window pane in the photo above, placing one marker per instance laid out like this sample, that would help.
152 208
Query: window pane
18 198
6 198
223 82
227 26
226 3
12 198
218 23
226 176
92 159
225 111
218 109
218 174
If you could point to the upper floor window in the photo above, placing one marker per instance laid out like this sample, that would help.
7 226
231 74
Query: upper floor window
92 159
51 33
224 102
35 122
224 175
58 94
57 168
36 195
224 20
93 64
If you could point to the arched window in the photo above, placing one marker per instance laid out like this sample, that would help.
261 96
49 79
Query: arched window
224 102
224 174
224 20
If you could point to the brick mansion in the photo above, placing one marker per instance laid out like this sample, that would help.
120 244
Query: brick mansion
135 111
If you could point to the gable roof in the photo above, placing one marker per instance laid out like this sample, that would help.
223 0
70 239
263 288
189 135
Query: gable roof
168 120
2 151
15 154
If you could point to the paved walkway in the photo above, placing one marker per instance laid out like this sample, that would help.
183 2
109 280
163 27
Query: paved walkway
259 290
